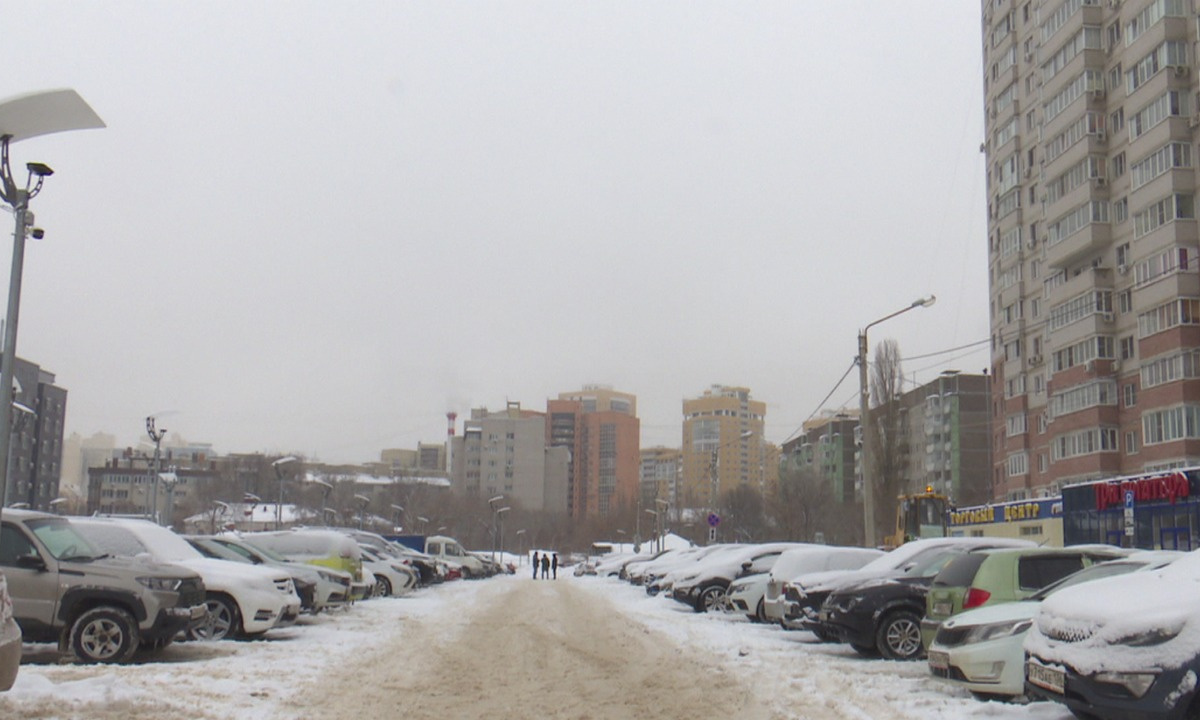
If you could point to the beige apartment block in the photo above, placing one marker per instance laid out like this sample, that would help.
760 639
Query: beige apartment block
723 447
1091 120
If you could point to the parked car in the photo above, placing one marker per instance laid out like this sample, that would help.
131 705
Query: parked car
991 577
10 639
1121 647
331 588
704 586
391 576
658 576
805 595
449 550
242 600
981 649
882 615
759 597
65 590
323 548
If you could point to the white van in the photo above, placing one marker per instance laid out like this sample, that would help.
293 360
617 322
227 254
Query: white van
448 550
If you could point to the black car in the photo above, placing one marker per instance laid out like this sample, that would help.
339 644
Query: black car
882 615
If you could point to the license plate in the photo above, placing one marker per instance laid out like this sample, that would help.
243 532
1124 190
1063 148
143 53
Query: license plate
943 609
1045 677
939 660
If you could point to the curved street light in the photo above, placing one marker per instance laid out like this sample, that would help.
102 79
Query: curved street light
864 406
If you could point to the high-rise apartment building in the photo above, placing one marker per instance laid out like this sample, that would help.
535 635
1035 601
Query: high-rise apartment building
1091 115
600 427
723 447
505 453
828 448
39 410
660 476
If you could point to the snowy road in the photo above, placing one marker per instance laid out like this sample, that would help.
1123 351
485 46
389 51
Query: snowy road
510 647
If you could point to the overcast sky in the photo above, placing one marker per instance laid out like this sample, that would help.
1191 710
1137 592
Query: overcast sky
317 227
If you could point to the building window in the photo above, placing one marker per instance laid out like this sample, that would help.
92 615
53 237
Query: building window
1084 442
1171 424
1131 444
1130 395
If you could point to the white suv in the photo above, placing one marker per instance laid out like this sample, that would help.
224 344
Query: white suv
243 600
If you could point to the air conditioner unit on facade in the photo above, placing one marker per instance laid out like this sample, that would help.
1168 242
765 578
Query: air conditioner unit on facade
1123 269
1181 70
1035 360
1106 317
1098 94
1194 121
1090 366
1028 172
1100 136
1100 182
1033 243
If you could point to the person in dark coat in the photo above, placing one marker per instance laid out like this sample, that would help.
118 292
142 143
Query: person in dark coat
554 565
545 565
535 564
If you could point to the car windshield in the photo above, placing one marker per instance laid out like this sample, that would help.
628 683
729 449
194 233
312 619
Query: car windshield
62 540
219 551
932 563
268 553
1095 572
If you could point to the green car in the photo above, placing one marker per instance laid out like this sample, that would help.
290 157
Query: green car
991 577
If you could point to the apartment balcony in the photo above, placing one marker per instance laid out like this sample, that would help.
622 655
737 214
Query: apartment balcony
1088 240
1098 278
1181 282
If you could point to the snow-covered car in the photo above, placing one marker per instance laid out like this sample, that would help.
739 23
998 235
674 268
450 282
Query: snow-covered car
10 639
319 588
1121 647
641 572
392 577
981 649
659 575
242 600
323 548
703 588
759 596
612 564
804 595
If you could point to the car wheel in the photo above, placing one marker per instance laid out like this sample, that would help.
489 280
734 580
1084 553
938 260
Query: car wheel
899 636
104 635
865 650
710 598
993 697
760 612
223 620
383 588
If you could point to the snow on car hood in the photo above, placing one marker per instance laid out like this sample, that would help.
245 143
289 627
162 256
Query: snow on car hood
1137 621
225 575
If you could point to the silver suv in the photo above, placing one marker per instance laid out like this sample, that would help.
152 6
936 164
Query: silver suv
101 608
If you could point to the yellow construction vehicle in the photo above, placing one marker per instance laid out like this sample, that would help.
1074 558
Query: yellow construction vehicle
921 515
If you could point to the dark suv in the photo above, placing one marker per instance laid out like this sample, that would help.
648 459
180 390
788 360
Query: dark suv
101 608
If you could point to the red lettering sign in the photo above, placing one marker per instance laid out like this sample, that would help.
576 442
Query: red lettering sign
1164 487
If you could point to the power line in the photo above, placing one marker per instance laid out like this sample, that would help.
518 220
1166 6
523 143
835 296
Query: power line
853 363
948 351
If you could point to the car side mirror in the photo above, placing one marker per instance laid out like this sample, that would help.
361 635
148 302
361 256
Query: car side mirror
746 566
31 562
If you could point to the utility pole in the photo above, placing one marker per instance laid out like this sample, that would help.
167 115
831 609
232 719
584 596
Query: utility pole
156 436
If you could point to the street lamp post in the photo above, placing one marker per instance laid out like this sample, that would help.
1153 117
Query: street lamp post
278 466
156 436
663 506
500 524
864 406
493 503
21 118
521 547
363 501
397 510
715 476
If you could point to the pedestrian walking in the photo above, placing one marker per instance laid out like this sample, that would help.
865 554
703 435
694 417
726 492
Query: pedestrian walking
554 566
535 564
545 565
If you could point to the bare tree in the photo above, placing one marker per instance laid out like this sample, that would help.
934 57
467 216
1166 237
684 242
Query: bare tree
889 424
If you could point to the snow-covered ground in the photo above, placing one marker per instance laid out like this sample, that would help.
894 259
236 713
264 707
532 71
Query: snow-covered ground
404 657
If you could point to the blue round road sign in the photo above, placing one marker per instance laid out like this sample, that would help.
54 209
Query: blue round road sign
714 519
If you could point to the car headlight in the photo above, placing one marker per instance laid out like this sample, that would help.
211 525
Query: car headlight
1151 637
161 584
1136 683
991 631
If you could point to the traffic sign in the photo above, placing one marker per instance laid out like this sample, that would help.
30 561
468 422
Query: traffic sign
712 534
714 520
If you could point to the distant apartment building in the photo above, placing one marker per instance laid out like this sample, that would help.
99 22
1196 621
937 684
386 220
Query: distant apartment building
505 453
600 428
124 484
39 411
661 471
828 449
428 457
723 447
949 437
1091 110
